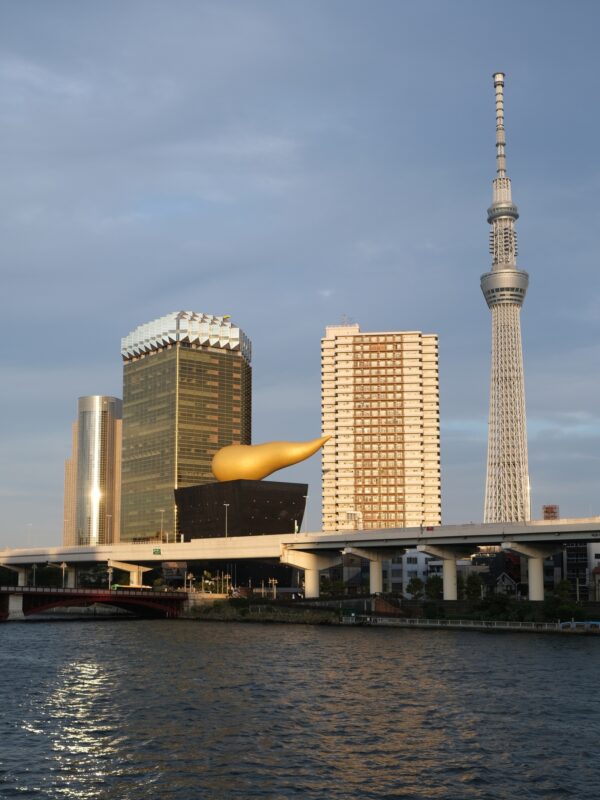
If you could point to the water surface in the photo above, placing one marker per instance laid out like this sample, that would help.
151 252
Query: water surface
212 711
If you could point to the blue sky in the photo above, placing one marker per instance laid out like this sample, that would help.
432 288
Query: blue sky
289 163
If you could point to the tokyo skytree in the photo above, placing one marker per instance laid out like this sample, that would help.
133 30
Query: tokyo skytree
504 288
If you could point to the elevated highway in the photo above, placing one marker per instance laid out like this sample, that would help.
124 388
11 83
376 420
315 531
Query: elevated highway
313 552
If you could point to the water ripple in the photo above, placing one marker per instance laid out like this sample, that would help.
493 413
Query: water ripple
193 711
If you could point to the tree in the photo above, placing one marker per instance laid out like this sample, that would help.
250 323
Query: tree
434 587
563 590
415 588
473 586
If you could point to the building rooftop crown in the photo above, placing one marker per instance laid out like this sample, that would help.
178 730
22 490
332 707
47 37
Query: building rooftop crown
185 326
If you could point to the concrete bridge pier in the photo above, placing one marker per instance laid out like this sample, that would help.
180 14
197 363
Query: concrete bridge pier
375 560
312 565
536 555
15 607
449 555
136 572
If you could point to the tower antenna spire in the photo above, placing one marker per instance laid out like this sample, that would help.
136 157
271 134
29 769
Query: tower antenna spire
500 131
504 288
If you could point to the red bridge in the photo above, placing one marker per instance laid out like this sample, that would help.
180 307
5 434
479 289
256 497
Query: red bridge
17 602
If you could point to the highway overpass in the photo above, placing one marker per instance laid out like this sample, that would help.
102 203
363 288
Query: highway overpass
314 552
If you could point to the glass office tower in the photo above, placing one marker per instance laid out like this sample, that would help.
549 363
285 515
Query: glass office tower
92 474
186 394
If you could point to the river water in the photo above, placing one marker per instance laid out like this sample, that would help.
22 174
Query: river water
211 711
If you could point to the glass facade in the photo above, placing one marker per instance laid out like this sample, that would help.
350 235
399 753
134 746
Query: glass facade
92 488
182 402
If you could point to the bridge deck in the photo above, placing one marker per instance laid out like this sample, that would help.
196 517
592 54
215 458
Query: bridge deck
271 546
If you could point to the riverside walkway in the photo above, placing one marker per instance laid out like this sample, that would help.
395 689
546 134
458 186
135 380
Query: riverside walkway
583 626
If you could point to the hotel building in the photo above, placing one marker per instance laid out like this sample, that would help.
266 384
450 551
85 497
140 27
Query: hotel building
380 403
186 394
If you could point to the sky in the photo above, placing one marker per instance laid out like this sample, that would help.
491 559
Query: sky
295 164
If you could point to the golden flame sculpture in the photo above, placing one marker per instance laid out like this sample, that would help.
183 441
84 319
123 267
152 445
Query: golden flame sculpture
254 462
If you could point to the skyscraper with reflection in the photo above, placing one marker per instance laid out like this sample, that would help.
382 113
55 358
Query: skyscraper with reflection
93 473
186 393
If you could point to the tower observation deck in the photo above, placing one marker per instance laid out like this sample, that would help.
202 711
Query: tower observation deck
504 288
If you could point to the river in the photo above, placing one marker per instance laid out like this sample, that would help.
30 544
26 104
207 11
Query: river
188 710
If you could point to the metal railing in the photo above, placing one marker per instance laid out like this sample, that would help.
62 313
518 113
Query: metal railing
103 591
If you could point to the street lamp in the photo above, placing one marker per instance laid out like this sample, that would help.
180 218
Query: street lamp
63 566
34 569
110 574
226 507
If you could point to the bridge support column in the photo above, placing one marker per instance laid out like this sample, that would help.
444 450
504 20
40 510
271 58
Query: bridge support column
449 556
136 572
312 565
535 565
311 582
375 577
375 560
71 578
15 607
22 573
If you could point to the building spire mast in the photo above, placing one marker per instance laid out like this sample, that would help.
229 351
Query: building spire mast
500 132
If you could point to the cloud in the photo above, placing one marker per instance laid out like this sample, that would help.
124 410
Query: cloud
241 157
22 76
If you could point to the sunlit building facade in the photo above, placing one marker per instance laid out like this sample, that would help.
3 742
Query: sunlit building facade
380 403
92 505
186 393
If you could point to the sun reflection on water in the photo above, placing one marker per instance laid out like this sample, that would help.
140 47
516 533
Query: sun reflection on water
82 727
187 711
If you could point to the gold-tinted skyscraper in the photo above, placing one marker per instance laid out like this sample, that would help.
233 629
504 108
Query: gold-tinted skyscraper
380 403
186 394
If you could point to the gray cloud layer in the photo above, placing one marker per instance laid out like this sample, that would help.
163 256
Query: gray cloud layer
288 163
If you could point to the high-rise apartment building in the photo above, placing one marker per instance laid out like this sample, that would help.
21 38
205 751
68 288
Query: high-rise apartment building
92 509
186 394
551 512
380 403
504 289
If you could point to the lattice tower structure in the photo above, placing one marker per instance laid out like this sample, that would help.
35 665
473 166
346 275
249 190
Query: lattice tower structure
507 496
